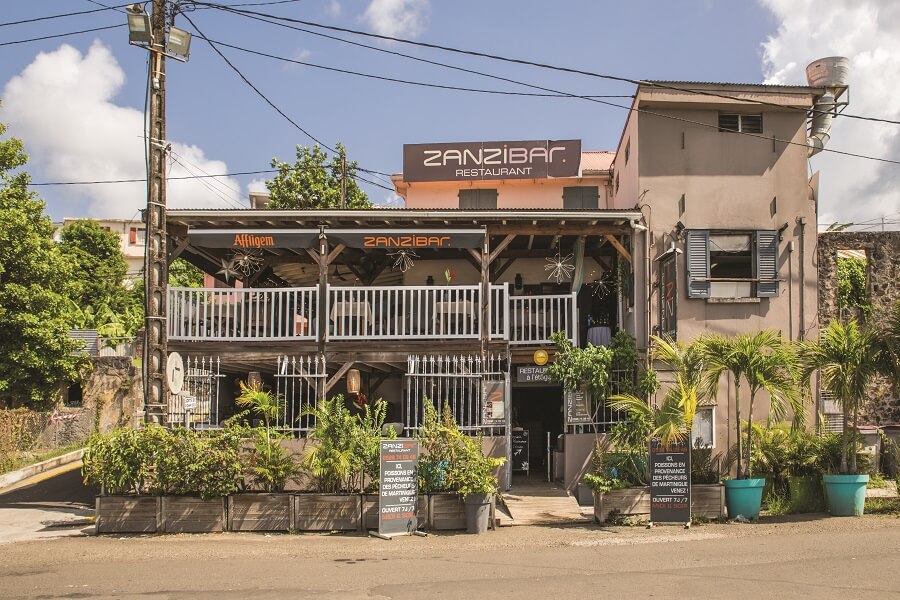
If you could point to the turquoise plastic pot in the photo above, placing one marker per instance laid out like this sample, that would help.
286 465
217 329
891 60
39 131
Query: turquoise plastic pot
846 494
743 497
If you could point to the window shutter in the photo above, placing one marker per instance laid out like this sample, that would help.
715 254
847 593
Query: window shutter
572 198
767 264
697 259
475 198
581 197
132 236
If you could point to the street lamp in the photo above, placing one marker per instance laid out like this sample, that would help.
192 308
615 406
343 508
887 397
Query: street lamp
140 33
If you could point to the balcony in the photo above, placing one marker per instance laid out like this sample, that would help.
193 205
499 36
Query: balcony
367 313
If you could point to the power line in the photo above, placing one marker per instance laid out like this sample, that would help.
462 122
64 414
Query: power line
59 16
251 15
59 35
410 82
519 61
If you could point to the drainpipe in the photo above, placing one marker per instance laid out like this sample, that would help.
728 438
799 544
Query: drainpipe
830 73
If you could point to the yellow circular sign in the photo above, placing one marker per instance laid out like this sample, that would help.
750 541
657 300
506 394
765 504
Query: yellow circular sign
540 357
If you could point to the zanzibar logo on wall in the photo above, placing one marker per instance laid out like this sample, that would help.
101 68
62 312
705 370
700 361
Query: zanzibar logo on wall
248 240
405 241
491 160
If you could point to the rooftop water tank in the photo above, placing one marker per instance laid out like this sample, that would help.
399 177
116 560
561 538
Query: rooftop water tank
828 72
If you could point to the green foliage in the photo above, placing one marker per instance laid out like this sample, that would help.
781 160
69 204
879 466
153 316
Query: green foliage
847 358
184 274
576 368
270 464
98 265
120 461
312 182
852 283
36 353
452 461
669 422
346 455
619 469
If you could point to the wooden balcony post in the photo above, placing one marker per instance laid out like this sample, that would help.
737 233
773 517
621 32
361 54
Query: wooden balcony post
485 293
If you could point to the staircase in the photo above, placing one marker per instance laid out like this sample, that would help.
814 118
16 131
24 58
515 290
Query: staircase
535 502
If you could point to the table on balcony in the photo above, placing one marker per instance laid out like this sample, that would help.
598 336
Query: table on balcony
450 317
599 336
352 317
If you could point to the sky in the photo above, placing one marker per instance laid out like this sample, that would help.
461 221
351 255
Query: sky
77 101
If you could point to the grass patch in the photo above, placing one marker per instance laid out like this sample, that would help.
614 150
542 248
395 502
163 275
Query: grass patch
777 505
878 482
883 506
29 458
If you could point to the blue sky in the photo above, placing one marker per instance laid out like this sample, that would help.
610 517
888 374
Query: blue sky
78 108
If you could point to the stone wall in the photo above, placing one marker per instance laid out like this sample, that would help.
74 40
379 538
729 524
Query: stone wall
882 286
112 393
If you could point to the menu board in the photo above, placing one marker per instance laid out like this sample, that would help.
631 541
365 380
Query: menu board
520 450
493 403
398 494
670 483
577 411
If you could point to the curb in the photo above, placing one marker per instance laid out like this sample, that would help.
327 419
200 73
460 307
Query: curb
14 477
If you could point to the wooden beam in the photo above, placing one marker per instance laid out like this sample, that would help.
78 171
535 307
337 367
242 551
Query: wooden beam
315 255
334 378
500 247
499 271
476 256
178 249
334 253
555 229
378 381
475 261
618 246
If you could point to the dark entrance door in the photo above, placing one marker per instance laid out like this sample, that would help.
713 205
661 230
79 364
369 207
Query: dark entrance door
539 410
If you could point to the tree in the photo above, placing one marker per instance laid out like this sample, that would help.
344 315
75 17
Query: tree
184 274
847 359
313 182
765 362
36 353
852 283
98 265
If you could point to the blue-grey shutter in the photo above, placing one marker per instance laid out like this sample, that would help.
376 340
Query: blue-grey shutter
478 199
767 264
697 262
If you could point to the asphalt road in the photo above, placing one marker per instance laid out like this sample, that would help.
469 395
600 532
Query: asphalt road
819 557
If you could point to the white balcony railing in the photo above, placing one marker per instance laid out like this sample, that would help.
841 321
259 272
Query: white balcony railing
242 314
531 319
358 313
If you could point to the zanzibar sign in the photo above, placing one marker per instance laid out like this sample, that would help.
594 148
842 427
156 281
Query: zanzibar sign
476 161
407 238
670 483
398 498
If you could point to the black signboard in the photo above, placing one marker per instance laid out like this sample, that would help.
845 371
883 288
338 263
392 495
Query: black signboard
668 296
479 161
254 239
493 403
520 450
398 497
532 374
670 483
577 410
392 239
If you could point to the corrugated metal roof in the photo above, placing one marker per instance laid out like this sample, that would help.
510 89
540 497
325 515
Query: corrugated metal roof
596 161
782 86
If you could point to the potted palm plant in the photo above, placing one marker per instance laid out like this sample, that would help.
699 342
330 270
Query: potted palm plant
847 358
765 363
472 476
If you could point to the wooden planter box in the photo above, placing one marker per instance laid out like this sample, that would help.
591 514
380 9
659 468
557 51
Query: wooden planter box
630 501
260 512
127 514
370 511
188 514
708 500
447 511
327 512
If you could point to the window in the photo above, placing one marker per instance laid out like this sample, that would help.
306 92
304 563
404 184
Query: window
471 198
581 197
137 235
627 150
740 122
703 430
731 264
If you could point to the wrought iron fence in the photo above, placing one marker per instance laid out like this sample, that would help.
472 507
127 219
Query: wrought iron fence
603 417
298 381
197 405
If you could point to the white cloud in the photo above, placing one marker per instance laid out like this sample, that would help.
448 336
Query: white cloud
257 185
62 106
868 33
391 199
333 8
397 18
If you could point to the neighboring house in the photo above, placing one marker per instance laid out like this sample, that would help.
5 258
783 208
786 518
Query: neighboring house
131 235
704 219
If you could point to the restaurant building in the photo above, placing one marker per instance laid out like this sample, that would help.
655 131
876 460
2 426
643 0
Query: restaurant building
704 219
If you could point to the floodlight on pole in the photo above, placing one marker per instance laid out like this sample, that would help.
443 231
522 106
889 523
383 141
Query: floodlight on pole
179 42
139 29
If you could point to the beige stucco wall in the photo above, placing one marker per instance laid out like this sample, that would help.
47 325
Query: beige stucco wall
523 193
728 181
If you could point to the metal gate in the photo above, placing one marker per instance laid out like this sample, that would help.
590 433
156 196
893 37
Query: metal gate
454 381
298 381
198 403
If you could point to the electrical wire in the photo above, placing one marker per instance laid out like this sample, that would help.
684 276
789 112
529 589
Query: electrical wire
518 61
632 108
59 16
59 35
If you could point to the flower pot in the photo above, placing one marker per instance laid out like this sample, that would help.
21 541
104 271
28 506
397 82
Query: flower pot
127 514
478 512
327 512
743 498
584 495
806 493
630 501
707 500
259 512
188 514
846 494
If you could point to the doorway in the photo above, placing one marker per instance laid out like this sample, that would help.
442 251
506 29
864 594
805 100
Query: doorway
537 410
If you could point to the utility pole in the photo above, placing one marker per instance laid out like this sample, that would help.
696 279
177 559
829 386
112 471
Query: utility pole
156 266
343 179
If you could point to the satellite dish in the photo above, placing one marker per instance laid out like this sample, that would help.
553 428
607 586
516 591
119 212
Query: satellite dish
175 373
